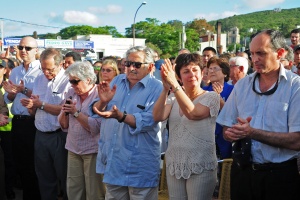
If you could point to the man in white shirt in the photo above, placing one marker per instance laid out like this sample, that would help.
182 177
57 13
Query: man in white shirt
50 153
20 84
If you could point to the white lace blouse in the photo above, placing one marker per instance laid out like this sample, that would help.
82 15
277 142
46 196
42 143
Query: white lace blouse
191 146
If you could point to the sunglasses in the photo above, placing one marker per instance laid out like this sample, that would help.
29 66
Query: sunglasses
106 70
269 92
26 48
74 82
134 64
97 68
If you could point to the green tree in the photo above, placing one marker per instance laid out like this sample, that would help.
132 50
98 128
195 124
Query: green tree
48 36
72 31
177 24
200 26
165 36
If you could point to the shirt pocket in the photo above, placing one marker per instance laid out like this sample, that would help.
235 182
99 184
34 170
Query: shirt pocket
276 116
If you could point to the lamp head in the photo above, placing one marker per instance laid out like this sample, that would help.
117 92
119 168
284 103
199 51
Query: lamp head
144 3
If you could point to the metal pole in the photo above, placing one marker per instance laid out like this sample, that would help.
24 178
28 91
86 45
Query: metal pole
183 37
133 26
2 35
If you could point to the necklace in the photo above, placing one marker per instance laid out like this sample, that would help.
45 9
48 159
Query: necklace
192 98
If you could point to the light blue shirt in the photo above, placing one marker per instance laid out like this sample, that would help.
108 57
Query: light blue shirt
131 156
279 112
17 74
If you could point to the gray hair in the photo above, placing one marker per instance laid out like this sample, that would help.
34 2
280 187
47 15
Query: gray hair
82 70
148 52
240 61
290 53
277 39
52 53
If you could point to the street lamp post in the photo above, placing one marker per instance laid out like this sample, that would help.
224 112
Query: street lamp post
133 26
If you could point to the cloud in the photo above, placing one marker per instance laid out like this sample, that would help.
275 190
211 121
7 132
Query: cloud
215 16
257 4
79 17
109 9
75 17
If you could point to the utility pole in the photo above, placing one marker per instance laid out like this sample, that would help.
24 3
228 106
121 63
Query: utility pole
2 39
183 40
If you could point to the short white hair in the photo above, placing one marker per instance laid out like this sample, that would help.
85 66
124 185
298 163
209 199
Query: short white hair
240 61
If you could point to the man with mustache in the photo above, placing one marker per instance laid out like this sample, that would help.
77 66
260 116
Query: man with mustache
129 148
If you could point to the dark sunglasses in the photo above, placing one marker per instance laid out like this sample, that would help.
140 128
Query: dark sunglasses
74 82
269 92
26 48
106 70
134 64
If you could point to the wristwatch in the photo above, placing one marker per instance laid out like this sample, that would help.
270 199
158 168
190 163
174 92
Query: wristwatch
76 114
25 90
123 118
42 107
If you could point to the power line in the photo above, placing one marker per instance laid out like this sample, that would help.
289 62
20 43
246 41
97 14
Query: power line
29 23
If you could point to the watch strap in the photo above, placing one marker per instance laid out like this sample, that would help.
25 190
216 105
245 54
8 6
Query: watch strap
123 118
76 114
42 107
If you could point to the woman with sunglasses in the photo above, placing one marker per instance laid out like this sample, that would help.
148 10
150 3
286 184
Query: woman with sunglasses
97 66
83 134
109 70
191 155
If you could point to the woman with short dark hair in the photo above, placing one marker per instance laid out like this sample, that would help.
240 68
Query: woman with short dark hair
191 155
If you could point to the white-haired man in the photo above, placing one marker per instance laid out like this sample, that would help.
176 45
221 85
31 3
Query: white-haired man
238 68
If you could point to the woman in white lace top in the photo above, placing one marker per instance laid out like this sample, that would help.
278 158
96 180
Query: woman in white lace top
191 155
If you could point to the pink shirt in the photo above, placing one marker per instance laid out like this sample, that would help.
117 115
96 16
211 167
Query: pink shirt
80 140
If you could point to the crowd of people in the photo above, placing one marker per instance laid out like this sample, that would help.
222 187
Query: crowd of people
72 129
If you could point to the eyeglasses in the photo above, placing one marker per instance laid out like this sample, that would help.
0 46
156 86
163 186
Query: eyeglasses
269 92
26 48
134 64
74 82
106 70
50 71
214 69
97 68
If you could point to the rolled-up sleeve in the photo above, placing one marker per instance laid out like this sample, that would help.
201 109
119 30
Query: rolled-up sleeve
95 125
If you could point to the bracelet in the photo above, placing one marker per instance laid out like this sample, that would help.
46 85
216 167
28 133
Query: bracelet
176 89
123 118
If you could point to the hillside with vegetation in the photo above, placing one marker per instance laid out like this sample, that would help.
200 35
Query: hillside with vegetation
166 39
282 19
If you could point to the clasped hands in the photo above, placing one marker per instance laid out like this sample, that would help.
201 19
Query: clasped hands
240 130
3 120
33 102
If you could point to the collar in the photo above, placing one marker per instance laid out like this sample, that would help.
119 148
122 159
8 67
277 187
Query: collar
33 64
60 74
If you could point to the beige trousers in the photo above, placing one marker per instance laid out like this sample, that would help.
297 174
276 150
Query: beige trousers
83 183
